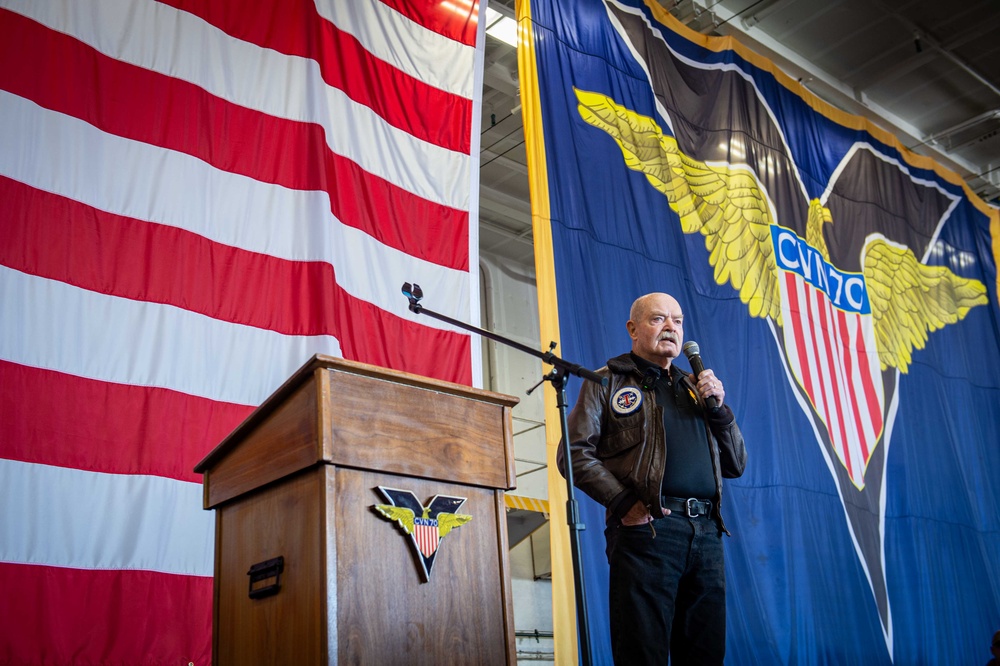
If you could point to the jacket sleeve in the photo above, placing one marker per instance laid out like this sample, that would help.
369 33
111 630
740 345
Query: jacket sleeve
589 473
732 450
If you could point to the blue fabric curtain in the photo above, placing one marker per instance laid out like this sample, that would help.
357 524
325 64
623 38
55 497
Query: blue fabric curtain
843 288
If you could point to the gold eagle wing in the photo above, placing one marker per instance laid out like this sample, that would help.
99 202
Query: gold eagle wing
403 516
910 299
725 203
448 521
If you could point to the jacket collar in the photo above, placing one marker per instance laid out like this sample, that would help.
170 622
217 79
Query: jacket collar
624 364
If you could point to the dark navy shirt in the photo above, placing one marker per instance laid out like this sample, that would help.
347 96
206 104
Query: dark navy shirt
688 471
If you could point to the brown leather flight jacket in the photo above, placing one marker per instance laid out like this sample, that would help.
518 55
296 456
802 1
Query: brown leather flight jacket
620 456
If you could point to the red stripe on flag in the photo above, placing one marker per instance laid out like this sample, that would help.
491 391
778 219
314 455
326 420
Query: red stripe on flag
867 381
71 616
294 27
825 329
52 418
180 116
97 251
383 339
456 19
821 383
794 308
847 353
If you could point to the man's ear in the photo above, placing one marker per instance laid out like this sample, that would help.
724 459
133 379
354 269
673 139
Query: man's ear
630 327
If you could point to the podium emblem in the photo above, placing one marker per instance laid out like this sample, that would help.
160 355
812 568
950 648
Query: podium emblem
425 526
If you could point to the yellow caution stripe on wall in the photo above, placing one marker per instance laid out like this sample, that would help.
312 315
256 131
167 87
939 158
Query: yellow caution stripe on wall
526 503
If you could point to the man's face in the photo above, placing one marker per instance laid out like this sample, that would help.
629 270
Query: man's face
656 328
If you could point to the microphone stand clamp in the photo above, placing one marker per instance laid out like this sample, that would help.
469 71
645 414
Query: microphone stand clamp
414 293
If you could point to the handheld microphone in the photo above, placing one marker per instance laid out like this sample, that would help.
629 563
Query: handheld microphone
693 354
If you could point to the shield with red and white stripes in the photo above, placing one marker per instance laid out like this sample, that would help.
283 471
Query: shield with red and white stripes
829 341
425 533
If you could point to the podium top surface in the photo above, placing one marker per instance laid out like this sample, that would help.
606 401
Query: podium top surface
338 411
320 361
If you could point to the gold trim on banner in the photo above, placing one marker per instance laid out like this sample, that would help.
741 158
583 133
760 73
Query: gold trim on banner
563 595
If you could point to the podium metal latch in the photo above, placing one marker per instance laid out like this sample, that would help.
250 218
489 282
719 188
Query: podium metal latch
265 577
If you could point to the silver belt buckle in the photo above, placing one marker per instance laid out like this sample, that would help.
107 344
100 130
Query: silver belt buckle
690 503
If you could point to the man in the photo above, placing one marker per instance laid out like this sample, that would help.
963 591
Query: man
649 449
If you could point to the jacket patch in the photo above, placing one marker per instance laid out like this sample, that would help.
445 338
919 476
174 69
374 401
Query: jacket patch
626 400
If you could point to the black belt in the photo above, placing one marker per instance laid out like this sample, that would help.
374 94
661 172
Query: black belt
691 507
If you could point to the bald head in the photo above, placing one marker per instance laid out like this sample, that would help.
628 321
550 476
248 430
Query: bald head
656 326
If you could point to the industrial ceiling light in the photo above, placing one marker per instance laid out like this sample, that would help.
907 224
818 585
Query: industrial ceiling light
502 27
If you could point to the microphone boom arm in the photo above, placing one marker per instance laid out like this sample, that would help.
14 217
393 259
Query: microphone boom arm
557 376
414 293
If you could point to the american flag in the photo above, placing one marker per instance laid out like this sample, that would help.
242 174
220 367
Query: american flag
195 197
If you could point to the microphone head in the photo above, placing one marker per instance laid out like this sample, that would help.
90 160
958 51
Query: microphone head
690 349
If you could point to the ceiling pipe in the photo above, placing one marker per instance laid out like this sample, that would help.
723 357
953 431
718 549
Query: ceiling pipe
960 63
851 98
762 13
926 40
965 124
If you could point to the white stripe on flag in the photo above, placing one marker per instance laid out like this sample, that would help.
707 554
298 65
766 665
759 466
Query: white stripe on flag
874 365
849 437
843 384
86 520
857 406
809 350
827 375
53 325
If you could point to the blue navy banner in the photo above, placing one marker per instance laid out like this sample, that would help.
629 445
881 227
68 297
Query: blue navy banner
843 288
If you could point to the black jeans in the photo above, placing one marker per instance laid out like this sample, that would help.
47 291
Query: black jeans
667 593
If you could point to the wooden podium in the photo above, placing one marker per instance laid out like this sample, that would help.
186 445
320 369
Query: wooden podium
298 480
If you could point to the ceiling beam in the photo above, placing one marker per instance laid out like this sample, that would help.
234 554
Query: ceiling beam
843 95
